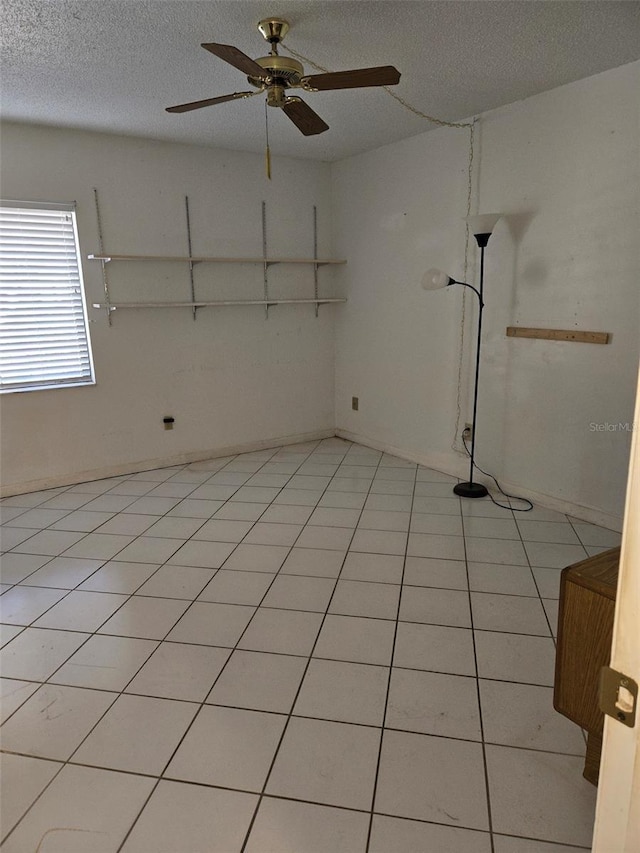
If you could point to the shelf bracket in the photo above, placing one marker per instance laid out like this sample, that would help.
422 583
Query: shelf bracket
103 261
193 290
315 255
265 262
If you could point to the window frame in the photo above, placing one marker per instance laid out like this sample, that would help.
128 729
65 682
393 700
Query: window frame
68 208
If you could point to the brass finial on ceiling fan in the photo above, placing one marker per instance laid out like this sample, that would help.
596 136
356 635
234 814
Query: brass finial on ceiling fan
274 30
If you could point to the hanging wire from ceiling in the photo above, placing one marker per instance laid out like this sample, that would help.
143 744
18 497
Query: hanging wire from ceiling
471 126
463 313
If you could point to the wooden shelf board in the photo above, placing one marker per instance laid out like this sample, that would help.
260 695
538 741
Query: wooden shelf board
572 335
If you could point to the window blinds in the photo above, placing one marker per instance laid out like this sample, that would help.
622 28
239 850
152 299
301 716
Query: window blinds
44 340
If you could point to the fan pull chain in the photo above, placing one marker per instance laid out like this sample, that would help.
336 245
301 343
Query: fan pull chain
268 151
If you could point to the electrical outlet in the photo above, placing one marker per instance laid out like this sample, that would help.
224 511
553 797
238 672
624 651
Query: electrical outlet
355 402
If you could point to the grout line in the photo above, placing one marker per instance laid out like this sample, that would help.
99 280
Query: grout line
117 695
350 809
203 703
388 690
478 695
114 556
100 719
293 799
295 699
77 588
282 654
537 586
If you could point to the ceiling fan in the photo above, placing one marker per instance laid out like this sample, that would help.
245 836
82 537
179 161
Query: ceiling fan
276 74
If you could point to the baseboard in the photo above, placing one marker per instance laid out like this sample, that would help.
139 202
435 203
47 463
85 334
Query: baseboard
459 467
583 513
437 461
446 463
164 462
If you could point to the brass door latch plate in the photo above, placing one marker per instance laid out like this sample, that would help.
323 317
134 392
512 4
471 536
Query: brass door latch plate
618 696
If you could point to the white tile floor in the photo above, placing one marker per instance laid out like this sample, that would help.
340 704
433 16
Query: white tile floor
311 649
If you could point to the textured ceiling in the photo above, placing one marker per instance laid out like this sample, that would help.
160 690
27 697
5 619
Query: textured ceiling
114 66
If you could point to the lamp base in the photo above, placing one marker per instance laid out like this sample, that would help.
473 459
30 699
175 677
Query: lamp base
470 490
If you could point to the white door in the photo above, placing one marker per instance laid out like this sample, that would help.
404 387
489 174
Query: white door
617 826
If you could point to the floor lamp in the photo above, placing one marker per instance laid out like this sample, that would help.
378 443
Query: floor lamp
482 228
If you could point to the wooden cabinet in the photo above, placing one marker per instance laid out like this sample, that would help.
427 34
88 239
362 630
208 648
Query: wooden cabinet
585 631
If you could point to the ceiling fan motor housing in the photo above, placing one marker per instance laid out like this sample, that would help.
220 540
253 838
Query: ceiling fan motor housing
284 70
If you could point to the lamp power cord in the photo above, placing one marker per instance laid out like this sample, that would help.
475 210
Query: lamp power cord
498 486
471 125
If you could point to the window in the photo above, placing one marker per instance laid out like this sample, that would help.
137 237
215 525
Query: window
44 337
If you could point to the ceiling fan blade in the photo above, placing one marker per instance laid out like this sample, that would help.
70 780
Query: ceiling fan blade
209 102
305 119
238 59
382 75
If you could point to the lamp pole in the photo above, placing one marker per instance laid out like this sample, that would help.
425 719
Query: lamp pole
481 227
471 489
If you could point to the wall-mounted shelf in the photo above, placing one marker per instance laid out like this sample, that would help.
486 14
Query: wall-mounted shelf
213 260
265 261
218 303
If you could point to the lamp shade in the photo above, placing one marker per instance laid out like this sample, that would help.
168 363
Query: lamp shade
484 223
434 279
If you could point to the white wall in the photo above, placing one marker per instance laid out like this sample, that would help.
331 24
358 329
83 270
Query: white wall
231 378
563 168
